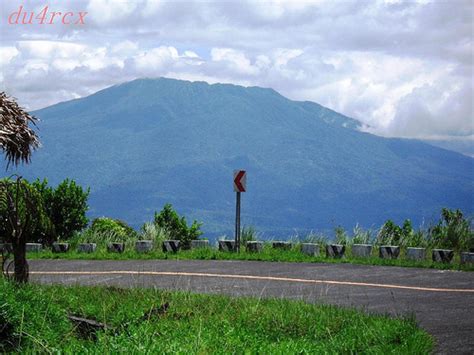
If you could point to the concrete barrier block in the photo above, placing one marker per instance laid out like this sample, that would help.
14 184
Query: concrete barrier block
335 250
60 247
170 246
86 247
33 247
6 247
416 254
361 250
227 245
310 249
467 258
442 255
389 252
199 244
143 246
116 247
254 246
281 245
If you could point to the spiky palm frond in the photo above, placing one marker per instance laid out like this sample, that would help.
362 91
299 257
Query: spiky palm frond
17 138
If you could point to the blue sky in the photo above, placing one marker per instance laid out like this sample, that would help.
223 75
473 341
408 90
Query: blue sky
404 68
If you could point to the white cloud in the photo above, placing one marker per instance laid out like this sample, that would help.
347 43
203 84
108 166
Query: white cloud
50 49
235 60
155 59
401 67
7 54
110 11
125 47
443 108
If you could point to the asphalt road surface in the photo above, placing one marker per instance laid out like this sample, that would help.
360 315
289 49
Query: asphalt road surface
442 301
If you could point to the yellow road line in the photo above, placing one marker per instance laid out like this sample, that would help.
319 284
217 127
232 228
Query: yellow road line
251 277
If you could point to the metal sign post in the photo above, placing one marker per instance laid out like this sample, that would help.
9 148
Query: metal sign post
240 182
237 222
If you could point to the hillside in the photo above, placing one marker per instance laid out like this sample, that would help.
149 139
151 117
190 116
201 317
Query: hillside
151 141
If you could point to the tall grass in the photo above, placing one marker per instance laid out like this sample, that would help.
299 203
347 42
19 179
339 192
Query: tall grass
161 322
150 231
361 236
101 238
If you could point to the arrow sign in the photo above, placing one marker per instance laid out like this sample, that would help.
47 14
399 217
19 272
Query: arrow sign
240 180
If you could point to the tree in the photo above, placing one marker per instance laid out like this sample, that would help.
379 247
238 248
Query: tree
17 140
177 226
453 231
25 214
66 206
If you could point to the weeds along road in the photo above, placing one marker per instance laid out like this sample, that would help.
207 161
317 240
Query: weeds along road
442 301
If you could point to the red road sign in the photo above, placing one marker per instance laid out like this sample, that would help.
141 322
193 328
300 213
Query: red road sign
240 180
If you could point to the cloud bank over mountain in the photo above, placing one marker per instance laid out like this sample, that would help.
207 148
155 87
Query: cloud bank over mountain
402 68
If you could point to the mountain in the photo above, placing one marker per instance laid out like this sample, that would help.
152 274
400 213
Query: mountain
464 146
143 143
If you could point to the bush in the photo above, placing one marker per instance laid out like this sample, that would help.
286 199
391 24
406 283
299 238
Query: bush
453 231
389 234
66 207
104 230
177 226
418 239
109 225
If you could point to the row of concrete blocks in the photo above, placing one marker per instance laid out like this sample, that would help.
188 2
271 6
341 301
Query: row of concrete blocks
140 246
311 249
393 252
358 250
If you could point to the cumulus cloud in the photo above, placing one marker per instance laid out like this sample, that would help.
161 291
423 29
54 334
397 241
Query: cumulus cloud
404 68
435 110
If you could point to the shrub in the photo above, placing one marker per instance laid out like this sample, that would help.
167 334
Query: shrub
389 234
109 225
453 231
104 230
177 226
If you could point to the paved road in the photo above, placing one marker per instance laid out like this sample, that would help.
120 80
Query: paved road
442 301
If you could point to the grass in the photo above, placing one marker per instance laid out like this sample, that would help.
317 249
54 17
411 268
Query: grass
268 254
35 321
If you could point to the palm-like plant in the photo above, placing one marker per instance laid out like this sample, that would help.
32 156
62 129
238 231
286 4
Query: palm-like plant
17 141
17 138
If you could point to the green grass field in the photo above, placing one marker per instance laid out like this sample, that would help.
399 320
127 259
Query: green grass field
268 254
34 320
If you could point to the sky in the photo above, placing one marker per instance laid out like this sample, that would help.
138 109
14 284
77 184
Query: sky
402 68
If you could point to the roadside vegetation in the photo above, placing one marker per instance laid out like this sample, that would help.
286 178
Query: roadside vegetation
35 320
268 254
62 217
